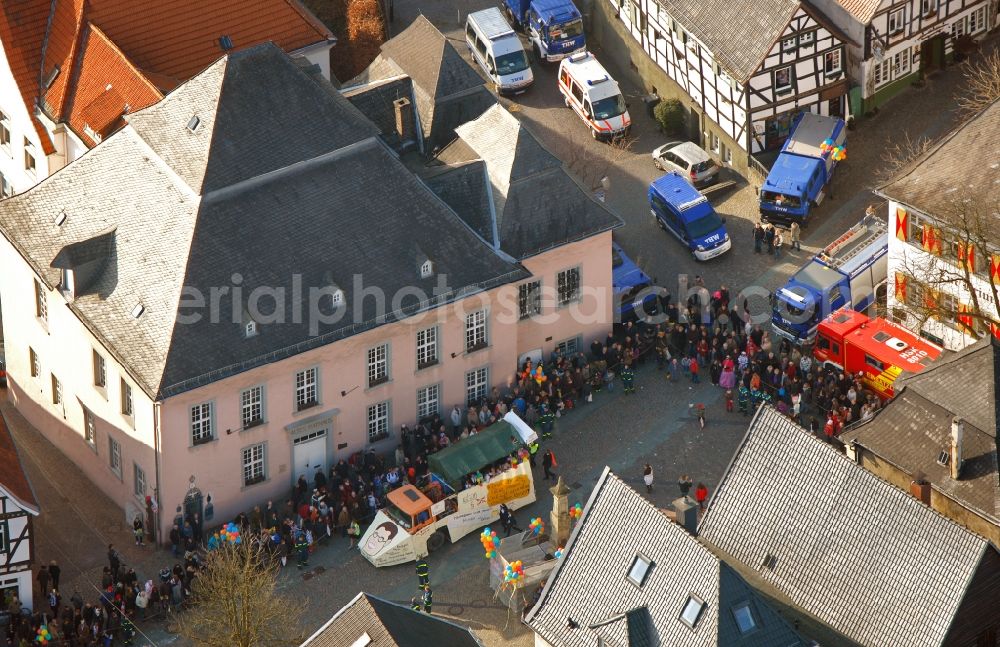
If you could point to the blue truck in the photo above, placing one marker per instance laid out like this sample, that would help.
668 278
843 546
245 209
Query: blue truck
800 177
554 27
633 297
682 210
850 273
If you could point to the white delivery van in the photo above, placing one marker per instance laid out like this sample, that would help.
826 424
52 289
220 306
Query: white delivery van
593 95
498 50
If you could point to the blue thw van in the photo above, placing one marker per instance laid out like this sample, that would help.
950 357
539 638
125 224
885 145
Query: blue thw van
683 211
628 280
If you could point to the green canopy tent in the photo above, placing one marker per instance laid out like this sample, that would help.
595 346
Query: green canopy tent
473 453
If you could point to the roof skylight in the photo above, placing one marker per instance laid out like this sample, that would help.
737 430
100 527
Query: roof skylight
692 611
639 571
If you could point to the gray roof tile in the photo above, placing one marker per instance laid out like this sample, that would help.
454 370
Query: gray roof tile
375 101
466 190
538 204
590 585
848 546
739 33
389 624
964 164
324 216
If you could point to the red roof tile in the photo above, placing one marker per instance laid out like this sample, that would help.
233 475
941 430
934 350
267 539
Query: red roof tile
180 38
104 83
59 50
22 31
13 479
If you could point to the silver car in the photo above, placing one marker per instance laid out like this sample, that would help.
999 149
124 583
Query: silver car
689 160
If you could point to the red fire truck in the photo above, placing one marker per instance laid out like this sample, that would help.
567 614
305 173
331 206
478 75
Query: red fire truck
877 348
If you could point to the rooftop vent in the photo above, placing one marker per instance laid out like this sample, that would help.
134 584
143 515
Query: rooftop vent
137 310
60 218
193 123
770 561
225 42
896 343
51 76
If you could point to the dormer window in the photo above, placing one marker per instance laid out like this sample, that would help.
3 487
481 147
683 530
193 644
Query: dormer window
337 297
641 566
426 269
250 328
66 284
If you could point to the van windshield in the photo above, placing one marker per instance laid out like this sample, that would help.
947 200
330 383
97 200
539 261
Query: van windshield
511 63
707 224
566 30
609 107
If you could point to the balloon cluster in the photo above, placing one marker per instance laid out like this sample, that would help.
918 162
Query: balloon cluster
489 541
513 573
536 526
43 636
231 533
827 145
576 511
837 152
559 552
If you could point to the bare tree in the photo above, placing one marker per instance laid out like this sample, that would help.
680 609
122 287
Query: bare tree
982 83
235 602
591 164
900 154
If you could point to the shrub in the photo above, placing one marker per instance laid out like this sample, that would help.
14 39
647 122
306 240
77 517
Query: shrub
671 116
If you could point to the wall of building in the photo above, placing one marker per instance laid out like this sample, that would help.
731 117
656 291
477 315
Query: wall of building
340 418
318 54
23 580
20 126
939 501
65 349
908 258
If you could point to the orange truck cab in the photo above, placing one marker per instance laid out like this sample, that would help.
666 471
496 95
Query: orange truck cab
878 349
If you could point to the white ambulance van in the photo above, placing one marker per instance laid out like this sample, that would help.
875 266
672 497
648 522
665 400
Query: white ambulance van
498 51
594 96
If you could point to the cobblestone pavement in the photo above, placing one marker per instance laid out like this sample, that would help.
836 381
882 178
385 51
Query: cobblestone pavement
625 432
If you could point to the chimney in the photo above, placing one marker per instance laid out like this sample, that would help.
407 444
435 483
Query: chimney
957 432
404 118
559 521
686 514
920 488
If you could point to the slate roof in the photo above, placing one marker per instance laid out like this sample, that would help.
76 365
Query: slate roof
590 583
466 189
912 429
13 479
388 624
846 544
965 164
448 91
537 204
375 101
310 183
739 33
22 32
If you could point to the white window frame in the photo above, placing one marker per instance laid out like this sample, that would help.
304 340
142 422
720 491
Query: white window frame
789 44
896 20
428 401
254 459
115 456
807 38
477 384
928 7
977 20
529 299
960 27
4 132
251 402
57 392
100 371
568 347
426 269
883 71
839 55
30 160
306 385
566 294
379 416
41 302
477 330
783 89
138 481
202 423
250 328
127 402
35 364
697 605
89 428
427 347
378 364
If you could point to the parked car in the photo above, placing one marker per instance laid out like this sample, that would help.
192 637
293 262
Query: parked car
689 160
628 281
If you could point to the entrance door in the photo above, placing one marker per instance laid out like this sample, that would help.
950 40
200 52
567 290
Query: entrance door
932 53
194 508
309 453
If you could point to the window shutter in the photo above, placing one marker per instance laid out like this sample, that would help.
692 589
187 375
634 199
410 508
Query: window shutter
964 318
900 287
901 224
995 269
995 329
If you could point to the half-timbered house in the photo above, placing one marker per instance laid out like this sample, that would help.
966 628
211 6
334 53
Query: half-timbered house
744 68
896 43
17 508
